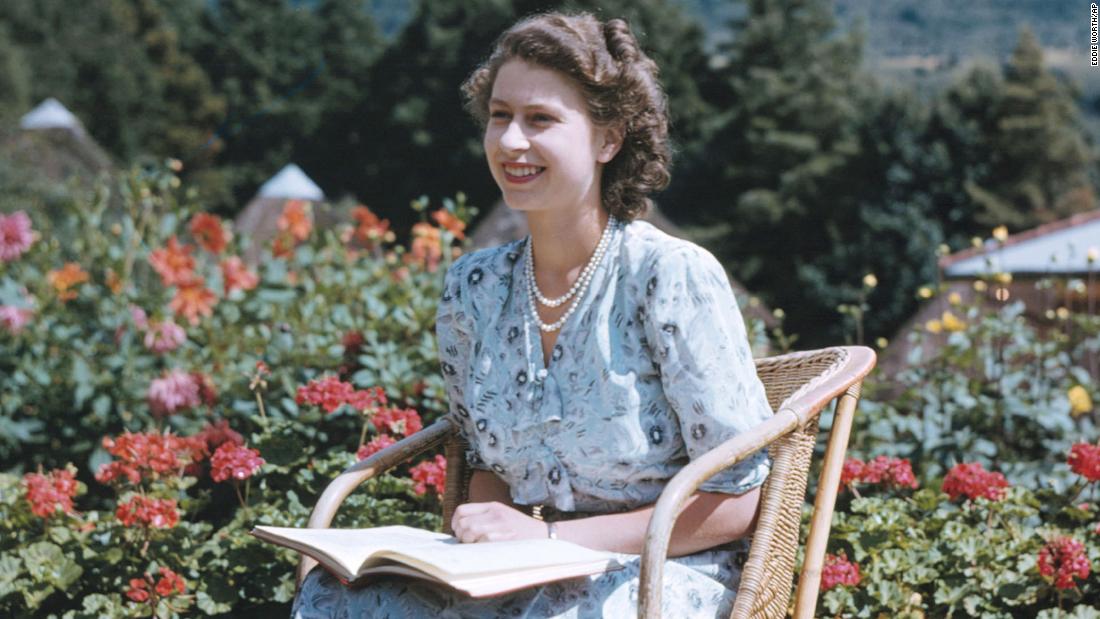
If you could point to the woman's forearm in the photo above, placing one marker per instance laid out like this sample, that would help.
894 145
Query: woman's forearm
707 519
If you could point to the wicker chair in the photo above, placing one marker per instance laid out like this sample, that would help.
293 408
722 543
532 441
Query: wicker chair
799 386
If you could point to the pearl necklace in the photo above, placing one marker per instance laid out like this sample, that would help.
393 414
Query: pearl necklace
579 287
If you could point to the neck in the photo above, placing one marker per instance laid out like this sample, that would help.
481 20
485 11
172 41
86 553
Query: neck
562 243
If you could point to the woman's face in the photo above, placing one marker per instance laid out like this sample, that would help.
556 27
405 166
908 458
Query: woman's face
543 149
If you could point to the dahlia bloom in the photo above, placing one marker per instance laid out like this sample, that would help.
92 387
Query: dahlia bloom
296 219
1062 560
192 300
234 461
173 392
16 236
453 224
13 318
369 229
68 276
164 336
237 276
838 570
174 263
209 232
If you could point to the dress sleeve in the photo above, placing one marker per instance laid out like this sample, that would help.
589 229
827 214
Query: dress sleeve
455 334
701 350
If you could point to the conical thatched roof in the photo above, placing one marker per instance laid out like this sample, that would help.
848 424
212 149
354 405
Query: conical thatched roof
52 146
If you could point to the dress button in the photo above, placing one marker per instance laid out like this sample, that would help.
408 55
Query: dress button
542 374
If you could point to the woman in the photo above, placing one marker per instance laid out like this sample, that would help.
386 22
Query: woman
587 363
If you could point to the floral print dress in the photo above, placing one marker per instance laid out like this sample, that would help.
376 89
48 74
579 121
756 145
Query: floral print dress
651 371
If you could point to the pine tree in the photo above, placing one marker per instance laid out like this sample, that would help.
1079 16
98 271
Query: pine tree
1039 168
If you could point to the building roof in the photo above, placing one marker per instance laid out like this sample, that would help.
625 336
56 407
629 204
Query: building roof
291 183
50 114
1057 248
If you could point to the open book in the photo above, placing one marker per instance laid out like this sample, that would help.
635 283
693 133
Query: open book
480 570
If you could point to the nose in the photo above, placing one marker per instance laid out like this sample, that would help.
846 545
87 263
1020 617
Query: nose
513 138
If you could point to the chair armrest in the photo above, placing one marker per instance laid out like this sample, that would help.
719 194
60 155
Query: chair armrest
683 485
339 489
796 412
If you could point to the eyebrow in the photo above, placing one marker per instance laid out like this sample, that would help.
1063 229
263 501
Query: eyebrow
536 105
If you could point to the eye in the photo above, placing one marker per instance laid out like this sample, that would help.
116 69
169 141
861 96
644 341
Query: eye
542 118
498 114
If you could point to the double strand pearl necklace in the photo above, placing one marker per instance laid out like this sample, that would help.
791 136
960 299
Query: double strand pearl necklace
576 292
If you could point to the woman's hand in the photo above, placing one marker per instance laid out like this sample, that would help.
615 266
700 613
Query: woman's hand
494 522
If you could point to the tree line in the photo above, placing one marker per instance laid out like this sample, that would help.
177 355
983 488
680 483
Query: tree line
794 165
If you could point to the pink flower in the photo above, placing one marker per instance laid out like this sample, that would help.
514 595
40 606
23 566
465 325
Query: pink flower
431 474
15 235
138 315
838 570
164 336
1084 459
973 481
1063 559
174 392
14 318
376 445
234 461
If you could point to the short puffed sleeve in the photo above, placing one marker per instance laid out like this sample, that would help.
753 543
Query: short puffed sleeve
455 335
698 341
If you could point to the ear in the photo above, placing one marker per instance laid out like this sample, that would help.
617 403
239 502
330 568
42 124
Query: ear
610 140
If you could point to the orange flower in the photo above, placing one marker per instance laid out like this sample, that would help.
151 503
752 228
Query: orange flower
297 219
237 276
193 299
114 282
66 277
425 245
446 219
283 246
369 228
174 263
209 232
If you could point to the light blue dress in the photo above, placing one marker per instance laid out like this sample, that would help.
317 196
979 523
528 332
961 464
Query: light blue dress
652 370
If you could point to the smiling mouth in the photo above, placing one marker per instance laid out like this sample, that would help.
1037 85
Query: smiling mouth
522 173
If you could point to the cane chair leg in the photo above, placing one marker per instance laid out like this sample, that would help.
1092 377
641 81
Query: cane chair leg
809 581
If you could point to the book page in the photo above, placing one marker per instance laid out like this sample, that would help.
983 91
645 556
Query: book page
351 548
452 560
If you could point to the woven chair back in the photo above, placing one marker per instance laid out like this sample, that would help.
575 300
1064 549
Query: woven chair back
766 580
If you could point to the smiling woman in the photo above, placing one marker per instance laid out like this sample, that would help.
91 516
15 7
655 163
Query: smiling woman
589 362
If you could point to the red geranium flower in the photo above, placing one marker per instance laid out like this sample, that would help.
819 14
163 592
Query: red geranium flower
139 590
148 454
838 570
170 583
144 511
234 461
376 445
1062 560
890 472
973 481
430 474
1084 459
51 492
399 421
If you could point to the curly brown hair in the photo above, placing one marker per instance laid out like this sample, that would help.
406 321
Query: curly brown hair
619 83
